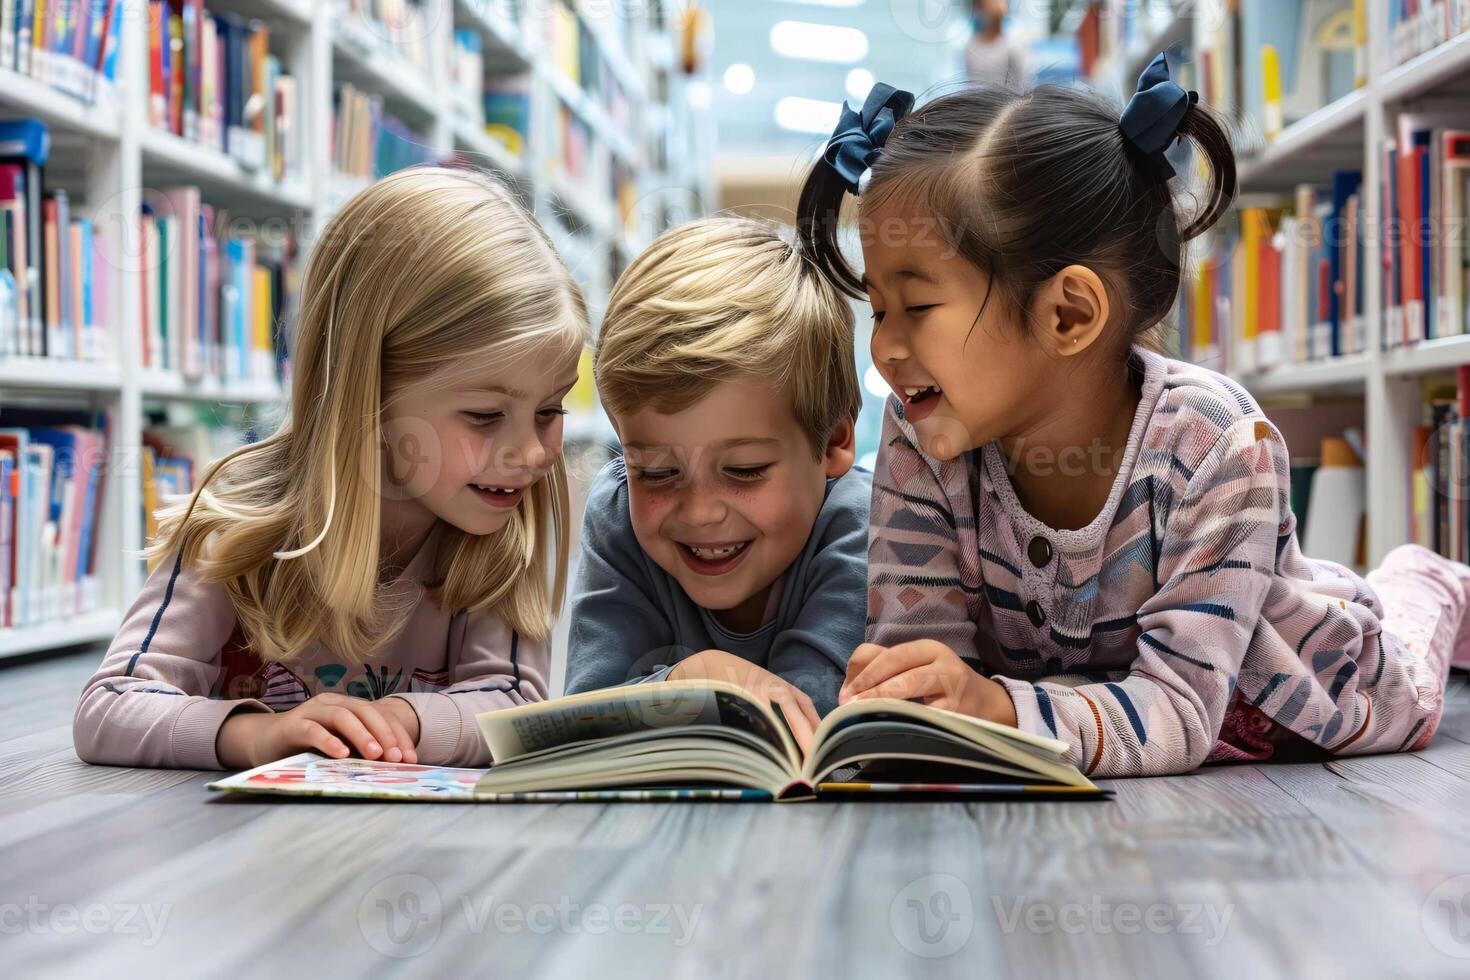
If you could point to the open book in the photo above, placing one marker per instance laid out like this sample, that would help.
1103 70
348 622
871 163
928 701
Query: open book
708 740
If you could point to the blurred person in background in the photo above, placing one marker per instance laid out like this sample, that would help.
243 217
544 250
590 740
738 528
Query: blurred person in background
990 56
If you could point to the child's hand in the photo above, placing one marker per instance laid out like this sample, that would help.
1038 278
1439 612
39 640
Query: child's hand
927 670
335 725
717 665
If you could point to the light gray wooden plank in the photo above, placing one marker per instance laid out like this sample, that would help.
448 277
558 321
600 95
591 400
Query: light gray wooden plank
1320 869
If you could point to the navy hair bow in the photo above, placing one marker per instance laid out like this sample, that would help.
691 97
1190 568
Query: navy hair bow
1152 117
860 135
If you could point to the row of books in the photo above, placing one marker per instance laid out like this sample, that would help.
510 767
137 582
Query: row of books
1415 26
211 304
52 478
69 45
367 142
1283 285
56 271
174 457
500 105
1110 28
1440 482
213 81
1269 64
576 52
1426 205
399 28
506 103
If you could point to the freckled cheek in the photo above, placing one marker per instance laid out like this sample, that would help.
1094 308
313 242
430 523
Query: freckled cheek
648 509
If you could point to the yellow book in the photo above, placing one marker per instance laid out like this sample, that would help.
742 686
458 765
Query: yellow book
1360 43
1272 119
261 348
40 65
1204 304
1252 228
150 500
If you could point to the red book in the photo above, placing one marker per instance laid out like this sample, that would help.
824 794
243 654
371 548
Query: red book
1268 290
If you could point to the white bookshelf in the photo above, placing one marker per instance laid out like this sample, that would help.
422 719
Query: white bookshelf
1343 134
105 154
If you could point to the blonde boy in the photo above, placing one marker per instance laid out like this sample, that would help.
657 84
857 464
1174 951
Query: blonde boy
730 539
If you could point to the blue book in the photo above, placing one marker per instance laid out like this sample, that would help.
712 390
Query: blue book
114 39
96 21
64 446
88 312
89 518
1345 183
236 325
7 536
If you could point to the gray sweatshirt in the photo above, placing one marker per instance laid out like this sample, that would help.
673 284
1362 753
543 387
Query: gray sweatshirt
632 621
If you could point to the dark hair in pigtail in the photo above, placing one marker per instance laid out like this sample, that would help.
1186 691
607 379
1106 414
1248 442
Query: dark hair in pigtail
846 167
1024 184
1202 127
818 216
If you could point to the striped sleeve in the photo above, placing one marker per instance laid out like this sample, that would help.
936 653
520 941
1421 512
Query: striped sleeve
1215 567
923 562
149 702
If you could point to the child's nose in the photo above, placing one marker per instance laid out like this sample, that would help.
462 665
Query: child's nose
889 346
700 508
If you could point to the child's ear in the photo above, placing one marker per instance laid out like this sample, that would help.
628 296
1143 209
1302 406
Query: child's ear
1071 309
841 449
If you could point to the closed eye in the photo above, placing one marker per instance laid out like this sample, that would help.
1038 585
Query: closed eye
747 474
550 414
484 418
656 476
920 310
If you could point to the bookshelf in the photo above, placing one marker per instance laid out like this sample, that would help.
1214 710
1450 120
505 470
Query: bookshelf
105 153
1343 133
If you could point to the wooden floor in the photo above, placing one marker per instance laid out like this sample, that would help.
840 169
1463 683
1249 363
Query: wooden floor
1359 867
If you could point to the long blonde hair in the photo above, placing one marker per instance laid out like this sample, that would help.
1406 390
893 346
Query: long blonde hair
416 272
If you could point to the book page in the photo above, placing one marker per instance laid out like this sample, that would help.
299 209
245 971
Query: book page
514 732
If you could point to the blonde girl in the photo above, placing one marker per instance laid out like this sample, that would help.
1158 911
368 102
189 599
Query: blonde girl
388 563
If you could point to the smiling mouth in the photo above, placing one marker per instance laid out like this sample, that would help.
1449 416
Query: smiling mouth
918 395
718 553
713 559
499 496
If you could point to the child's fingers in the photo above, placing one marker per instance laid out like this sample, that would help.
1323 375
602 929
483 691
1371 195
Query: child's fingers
349 728
375 720
314 735
405 744
861 657
918 682
801 728
804 702
895 660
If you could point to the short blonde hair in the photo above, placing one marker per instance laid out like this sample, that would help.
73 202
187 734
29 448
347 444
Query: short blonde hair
728 297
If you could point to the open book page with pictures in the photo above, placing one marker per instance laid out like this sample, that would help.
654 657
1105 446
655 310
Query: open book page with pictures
705 740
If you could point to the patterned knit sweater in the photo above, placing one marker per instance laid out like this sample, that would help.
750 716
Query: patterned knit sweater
1182 625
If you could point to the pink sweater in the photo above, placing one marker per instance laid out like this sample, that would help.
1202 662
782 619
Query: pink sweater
180 666
1183 624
